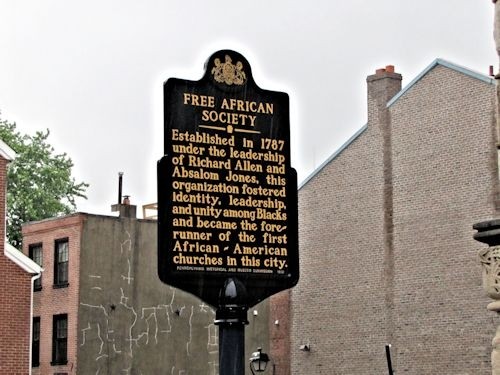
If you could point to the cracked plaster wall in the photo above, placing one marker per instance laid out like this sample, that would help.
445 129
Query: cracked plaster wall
131 323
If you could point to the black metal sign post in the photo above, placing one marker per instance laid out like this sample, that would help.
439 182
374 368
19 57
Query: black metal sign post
388 356
231 317
227 195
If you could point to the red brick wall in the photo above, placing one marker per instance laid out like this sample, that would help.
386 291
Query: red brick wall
15 301
386 247
279 332
52 301
338 304
445 179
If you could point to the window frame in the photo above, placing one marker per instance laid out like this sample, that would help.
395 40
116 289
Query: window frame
37 284
35 342
59 344
60 282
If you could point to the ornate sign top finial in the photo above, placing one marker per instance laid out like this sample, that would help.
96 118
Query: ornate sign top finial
226 72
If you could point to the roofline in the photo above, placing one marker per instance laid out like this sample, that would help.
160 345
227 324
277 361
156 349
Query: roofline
6 152
333 156
82 215
21 260
438 61
447 64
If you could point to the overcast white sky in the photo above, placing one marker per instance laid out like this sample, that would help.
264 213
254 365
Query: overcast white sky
92 71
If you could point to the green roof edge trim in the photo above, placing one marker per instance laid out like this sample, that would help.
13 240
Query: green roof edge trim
450 65
333 156
436 62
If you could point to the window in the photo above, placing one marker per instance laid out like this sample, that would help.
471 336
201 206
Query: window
60 340
36 254
61 257
35 343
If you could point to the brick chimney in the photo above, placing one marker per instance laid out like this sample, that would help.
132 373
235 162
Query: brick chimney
125 209
382 86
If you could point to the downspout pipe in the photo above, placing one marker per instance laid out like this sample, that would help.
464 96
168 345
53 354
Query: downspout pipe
33 279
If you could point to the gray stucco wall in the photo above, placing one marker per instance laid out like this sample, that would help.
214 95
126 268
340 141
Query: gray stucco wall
131 323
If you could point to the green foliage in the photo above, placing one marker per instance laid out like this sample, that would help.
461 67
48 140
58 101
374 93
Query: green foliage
39 182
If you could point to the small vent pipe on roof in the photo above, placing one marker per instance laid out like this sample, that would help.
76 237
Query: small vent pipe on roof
120 183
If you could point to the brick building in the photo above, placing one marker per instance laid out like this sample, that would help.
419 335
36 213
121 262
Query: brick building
386 248
387 257
102 309
16 274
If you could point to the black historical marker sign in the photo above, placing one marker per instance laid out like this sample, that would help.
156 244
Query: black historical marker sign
227 195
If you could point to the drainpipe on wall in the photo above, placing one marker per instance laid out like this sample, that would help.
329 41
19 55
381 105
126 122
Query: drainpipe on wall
33 279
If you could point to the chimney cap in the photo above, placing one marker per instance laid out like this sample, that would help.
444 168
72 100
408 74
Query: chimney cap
387 69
